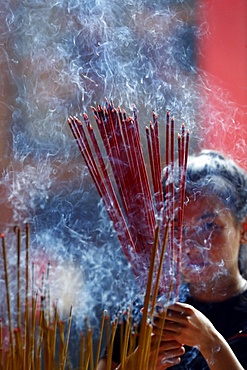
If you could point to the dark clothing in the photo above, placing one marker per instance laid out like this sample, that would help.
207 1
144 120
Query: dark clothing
229 318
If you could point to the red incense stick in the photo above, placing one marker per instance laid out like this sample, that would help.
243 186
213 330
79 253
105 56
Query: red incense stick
126 190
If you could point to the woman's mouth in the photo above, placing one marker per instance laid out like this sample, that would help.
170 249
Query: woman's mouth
194 263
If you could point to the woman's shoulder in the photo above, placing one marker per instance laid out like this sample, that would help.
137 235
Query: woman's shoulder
230 319
241 302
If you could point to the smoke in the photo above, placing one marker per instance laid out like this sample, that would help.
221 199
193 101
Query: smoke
62 57
58 58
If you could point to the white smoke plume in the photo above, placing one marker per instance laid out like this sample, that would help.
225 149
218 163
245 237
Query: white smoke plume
59 58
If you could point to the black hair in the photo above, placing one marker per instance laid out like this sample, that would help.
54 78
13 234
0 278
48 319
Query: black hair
216 174
219 175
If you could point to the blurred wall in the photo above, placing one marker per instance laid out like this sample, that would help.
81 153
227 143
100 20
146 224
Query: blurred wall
223 56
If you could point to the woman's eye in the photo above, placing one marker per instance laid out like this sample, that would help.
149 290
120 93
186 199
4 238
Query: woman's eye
210 226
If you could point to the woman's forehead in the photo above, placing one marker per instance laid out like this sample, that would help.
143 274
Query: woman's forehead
204 206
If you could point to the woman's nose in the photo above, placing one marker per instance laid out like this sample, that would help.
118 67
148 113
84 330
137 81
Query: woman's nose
195 238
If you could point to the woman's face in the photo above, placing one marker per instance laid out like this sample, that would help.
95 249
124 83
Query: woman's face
211 240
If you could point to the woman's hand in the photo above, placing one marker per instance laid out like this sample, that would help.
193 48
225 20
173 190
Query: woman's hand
169 351
169 354
185 325
189 326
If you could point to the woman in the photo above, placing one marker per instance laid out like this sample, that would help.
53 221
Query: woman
209 330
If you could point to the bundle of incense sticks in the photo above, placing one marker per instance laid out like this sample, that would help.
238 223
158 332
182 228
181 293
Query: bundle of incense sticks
135 203
135 342
31 336
40 340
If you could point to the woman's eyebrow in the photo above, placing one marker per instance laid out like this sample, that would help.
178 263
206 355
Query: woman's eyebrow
208 215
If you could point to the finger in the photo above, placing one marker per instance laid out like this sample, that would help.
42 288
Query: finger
167 345
158 321
180 307
168 362
172 326
171 353
179 318
176 312
170 329
169 358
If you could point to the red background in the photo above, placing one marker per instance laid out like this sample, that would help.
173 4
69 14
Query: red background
224 57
